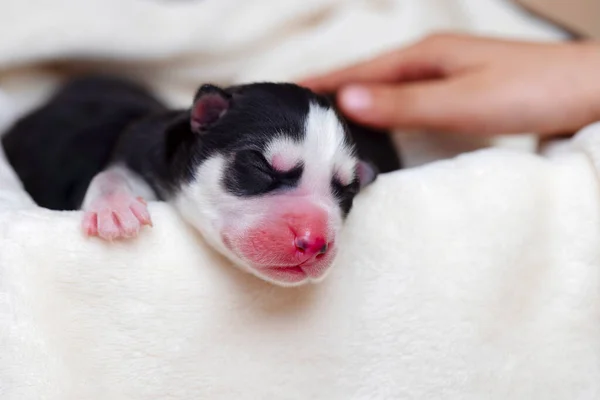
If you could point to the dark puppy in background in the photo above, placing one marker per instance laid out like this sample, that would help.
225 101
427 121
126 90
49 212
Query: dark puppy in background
266 172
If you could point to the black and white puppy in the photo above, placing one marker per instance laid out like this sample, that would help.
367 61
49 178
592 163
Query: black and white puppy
266 172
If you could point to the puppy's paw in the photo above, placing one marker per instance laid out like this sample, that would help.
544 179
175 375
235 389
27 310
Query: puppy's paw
116 216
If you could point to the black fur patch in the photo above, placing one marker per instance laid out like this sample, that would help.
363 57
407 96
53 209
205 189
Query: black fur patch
57 149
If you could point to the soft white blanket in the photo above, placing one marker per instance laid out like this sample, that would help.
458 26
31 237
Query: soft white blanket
474 277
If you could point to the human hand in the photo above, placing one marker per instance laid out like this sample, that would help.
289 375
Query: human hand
465 84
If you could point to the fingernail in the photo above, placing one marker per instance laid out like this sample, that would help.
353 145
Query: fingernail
356 98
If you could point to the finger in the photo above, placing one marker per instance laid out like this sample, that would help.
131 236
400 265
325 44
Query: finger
380 69
430 105
431 58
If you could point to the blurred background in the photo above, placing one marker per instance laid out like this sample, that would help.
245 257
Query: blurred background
176 45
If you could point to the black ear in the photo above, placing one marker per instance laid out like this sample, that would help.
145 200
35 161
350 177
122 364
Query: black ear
210 104
367 173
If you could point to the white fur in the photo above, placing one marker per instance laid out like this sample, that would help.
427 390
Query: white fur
325 149
475 278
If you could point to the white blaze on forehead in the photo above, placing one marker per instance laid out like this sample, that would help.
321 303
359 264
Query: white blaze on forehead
322 150
283 153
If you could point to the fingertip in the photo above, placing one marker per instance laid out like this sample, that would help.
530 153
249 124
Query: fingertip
360 103
355 98
378 106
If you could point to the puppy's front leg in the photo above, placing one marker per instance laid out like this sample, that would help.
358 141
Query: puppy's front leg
115 205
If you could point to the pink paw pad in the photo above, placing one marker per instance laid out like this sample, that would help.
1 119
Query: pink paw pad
117 216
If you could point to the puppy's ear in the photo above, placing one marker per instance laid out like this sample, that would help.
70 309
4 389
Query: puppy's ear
210 104
367 173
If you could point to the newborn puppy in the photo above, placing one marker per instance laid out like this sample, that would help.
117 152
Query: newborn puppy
266 172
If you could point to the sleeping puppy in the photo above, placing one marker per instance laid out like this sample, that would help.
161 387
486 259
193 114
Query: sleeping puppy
266 172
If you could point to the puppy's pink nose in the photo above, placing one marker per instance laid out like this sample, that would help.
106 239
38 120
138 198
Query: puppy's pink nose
311 245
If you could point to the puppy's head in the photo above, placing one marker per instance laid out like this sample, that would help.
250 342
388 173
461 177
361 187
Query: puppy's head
271 175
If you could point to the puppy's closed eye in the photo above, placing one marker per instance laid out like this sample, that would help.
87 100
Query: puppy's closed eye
345 193
251 174
289 179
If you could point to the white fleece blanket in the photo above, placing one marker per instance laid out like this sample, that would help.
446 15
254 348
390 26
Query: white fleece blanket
474 277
